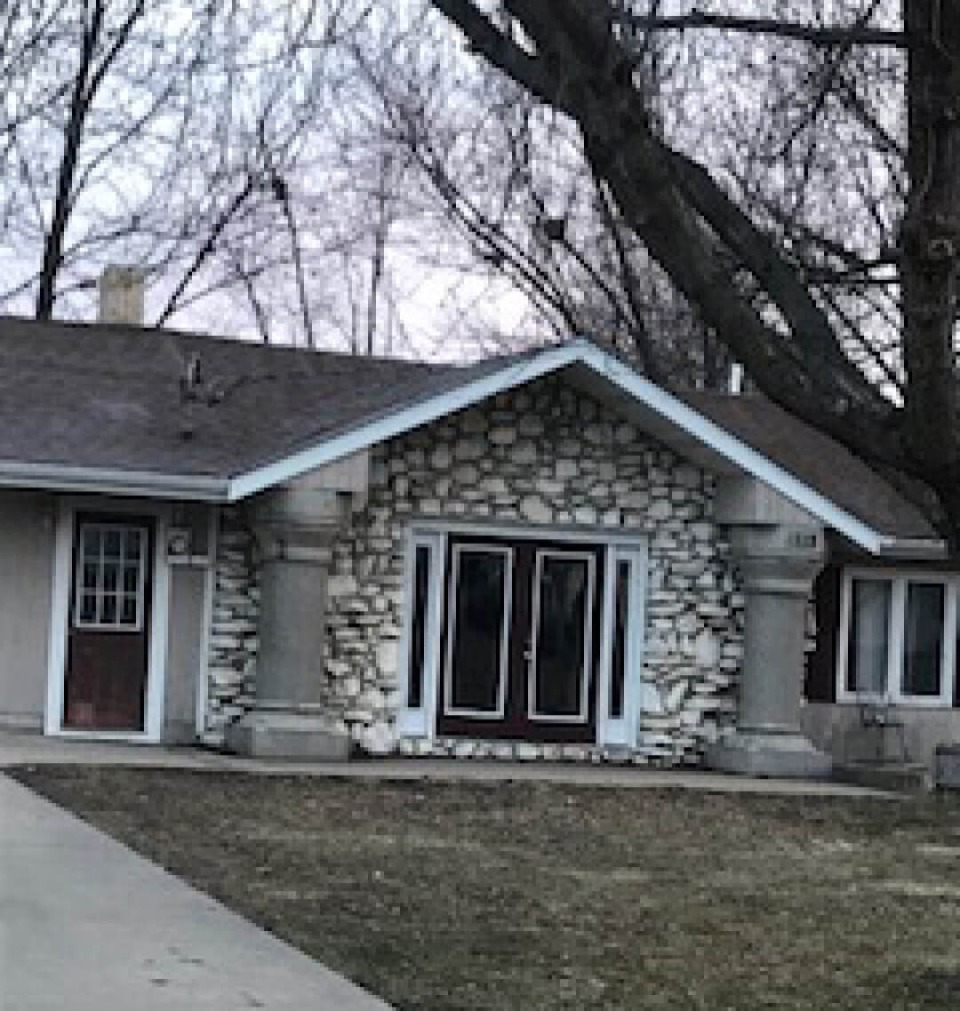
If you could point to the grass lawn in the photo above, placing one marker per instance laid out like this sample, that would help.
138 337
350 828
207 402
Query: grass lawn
530 896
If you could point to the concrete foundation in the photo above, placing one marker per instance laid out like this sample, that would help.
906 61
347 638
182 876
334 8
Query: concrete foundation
946 767
294 736
779 755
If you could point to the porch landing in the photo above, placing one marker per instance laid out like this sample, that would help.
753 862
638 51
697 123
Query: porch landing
19 748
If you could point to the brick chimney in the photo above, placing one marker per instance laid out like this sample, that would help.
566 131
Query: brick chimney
121 296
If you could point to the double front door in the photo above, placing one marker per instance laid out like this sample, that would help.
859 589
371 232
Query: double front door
520 639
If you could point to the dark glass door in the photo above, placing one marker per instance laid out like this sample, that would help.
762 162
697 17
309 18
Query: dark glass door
520 640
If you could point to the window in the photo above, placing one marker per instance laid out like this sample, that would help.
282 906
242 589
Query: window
923 639
418 626
869 643
898 637
110 577
618 664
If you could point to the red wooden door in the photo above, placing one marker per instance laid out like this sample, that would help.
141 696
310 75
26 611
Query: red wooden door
109 617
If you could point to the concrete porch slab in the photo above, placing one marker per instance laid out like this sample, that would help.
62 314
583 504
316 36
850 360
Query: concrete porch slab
33 749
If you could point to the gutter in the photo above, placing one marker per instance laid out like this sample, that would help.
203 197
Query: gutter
111 481
915 548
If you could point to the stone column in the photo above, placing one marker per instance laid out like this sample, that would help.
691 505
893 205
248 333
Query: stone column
778 564
294 529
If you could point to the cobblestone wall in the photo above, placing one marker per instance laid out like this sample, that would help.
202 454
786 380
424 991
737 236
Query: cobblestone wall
231 664
544 455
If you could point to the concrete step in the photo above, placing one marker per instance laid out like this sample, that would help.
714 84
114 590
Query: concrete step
946 765
901 777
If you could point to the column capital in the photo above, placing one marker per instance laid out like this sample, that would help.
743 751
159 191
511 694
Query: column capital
297 524
778 559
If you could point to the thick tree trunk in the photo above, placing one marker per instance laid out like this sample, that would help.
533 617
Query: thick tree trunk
931 248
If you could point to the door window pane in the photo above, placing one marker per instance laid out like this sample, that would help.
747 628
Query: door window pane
478 621
112 544
923 639
109 582
128 613
131 577
869 644
561 652
88 608
132 545
108 609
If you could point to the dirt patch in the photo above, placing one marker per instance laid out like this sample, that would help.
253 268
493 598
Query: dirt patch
540 896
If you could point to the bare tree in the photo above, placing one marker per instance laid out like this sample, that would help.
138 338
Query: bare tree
164 135
829 270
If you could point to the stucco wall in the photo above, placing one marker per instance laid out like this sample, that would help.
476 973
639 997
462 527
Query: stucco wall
913 733
545 455
184 652
26 561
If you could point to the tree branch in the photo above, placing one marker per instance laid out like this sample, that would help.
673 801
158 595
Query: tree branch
821 36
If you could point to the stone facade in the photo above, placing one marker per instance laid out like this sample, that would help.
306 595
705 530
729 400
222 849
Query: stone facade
544 455
231 664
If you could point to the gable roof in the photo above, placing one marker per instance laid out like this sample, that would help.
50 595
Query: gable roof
817 460
99 408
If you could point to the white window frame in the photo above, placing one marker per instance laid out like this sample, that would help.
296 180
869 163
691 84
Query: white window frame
621 731
419 721
899 580
583 715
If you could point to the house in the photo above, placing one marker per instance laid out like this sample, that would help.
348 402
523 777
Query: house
303 554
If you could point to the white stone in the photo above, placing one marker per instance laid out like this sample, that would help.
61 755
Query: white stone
494 486
441 458
378 739
598 434
625 434
675 696
687 477
466 474
387 652
534 509
341 586
530 425
470 449
502 435
706 649
524 454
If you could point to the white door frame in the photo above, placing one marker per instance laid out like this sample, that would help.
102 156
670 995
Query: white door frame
421 723
67 509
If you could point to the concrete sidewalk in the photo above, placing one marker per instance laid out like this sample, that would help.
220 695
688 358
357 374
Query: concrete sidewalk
86 925
17 748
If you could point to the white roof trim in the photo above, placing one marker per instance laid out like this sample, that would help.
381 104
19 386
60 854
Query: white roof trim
621 376
739 453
